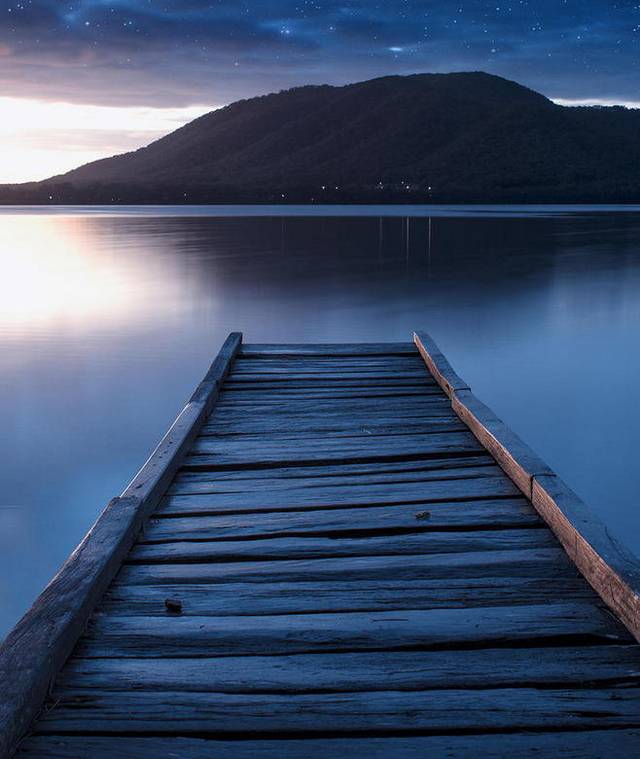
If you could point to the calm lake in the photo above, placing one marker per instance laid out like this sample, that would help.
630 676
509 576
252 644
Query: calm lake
108 320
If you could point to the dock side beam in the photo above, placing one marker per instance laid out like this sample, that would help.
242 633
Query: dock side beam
611 570
38 646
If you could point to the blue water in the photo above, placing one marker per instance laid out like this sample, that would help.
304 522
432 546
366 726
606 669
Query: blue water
109 317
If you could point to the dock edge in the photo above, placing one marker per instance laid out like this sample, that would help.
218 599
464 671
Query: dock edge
609 567
37 647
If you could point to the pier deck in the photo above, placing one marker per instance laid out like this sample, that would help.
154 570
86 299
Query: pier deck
342 552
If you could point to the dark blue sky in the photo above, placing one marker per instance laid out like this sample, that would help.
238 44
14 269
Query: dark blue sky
170 53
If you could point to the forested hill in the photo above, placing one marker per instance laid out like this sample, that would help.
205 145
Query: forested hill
427 137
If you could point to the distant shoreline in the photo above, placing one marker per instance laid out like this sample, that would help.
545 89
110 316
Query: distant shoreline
390 211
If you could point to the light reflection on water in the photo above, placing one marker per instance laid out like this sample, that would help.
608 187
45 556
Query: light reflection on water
107 321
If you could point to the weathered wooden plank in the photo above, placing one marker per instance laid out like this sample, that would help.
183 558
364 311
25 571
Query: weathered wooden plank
318 385
548 562
336 496
341 367
143 637
155 475
324 369
315 423
322 427
319 394
369 671
356 406
365 408
346 450
516 458
487 515
373 433
286 478
609 567
314 382
368 470
440 369
38 645
288 548
269 350
336 361
234 599
331 443
585 744
213 482
181 713
310 373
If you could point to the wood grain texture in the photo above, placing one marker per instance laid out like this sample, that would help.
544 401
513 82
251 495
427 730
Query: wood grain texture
585 744
312 547
519 462
552 563
610 568
346 450
247 598
617 665
607 565
489 514
368 714
317 394
364 471
440 369
311 423
269 350
115 636
516 459
464 489
39 644
152 480
37 647
344 562
347 476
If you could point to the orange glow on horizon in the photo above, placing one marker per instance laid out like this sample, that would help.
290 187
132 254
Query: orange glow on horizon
39 139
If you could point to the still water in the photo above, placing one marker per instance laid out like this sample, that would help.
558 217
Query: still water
108 320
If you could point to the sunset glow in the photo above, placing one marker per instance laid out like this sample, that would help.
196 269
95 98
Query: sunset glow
49 278
39 139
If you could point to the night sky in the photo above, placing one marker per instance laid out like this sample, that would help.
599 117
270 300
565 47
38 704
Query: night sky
170 53
87 79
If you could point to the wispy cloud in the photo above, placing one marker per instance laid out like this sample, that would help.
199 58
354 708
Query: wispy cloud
177 53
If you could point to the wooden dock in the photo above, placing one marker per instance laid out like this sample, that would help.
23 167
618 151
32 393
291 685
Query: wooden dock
336 550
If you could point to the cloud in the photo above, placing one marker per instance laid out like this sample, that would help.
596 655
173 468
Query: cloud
39 139
174 53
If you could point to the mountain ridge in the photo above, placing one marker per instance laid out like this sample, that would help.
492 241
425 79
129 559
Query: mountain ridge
466 136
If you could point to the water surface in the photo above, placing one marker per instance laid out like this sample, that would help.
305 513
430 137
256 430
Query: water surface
109 318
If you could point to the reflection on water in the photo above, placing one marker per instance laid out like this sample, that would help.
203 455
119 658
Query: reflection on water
107 321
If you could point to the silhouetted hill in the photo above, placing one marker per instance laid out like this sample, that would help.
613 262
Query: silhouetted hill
438 137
